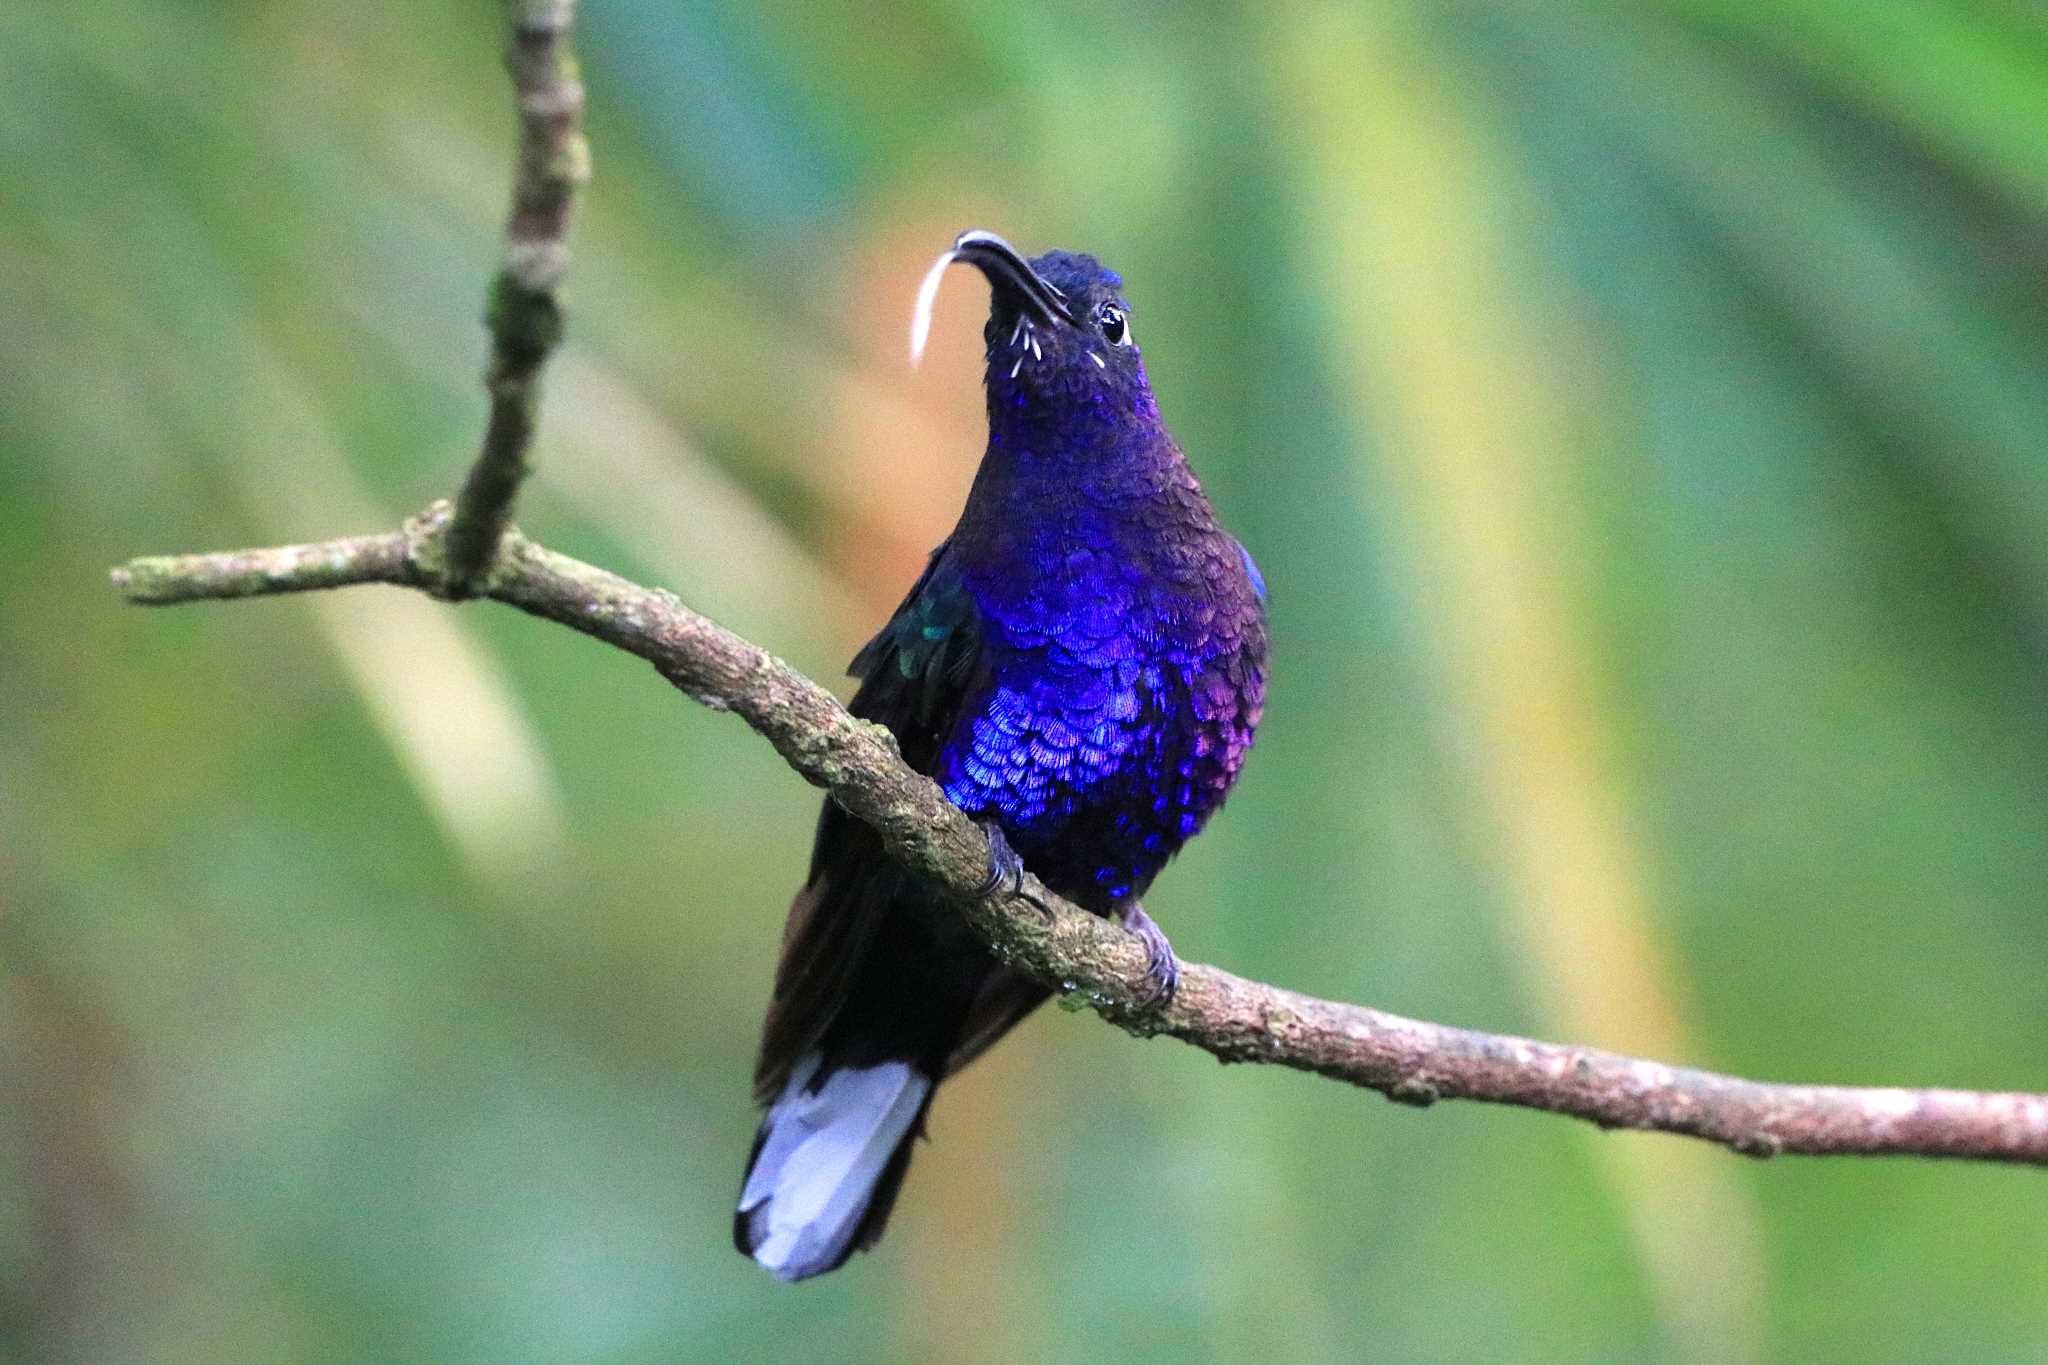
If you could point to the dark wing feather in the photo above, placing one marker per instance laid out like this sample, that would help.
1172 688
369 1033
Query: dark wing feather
1006 997
915 676
919 669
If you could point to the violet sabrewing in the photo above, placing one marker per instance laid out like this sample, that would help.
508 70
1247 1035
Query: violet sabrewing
1080 667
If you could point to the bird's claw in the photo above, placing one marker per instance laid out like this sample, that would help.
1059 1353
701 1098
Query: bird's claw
1162 969
1005 867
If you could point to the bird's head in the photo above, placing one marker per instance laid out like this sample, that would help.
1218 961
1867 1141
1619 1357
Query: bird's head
1059 331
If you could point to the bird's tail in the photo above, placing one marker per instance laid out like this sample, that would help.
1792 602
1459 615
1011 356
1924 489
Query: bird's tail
878 998
827 1163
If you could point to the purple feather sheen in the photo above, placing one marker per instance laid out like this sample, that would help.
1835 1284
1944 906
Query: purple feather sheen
1123 628
1081 666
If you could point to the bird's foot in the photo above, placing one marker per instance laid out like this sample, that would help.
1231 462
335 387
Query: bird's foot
1162 969
1005 869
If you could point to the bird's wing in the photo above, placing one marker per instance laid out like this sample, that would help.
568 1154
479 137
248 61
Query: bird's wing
1006 997
916 674
920 668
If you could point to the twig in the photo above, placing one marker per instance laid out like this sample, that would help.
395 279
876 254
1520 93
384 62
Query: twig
161 580
1074 952
524 317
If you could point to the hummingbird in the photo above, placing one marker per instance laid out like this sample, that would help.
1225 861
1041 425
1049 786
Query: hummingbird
1080 667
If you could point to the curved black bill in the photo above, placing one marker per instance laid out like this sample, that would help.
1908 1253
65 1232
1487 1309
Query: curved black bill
1006 268
1009 274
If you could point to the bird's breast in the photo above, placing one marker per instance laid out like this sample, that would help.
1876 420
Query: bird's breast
1121 696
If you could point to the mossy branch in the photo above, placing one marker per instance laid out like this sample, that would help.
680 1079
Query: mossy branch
1087 958
470 548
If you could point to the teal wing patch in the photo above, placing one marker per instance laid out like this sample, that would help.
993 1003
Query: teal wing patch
916 672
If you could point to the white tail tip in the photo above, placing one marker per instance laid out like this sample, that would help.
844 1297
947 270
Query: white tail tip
822 1152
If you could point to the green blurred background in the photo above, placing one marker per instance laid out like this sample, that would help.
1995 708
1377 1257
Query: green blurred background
1639 411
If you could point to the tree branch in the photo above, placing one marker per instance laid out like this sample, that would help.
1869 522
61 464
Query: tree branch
524 317
1080 955
471 548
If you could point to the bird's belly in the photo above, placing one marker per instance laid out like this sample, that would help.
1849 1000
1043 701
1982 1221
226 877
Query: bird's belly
1097 775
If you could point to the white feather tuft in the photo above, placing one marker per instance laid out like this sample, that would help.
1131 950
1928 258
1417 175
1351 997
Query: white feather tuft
927 298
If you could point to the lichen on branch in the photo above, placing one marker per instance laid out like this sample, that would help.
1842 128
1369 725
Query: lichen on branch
1087 958
470 548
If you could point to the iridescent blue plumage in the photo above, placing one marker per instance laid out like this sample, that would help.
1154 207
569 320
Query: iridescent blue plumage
1121 626
1081 667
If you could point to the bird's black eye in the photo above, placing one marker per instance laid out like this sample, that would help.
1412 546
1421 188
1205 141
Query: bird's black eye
1111 319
